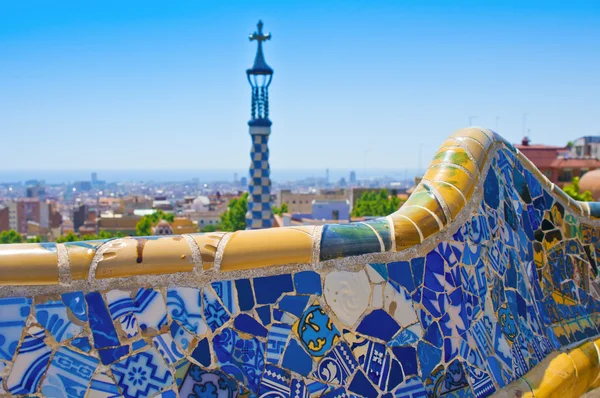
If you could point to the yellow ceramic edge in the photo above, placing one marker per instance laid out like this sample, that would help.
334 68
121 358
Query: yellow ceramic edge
28 264
561 374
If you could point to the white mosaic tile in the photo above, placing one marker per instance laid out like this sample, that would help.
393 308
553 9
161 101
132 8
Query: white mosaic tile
399 305
347 294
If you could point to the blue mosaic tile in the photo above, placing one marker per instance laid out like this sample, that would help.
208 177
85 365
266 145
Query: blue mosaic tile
245 295
214 313
76 303
298 389
185 307
182 337
225 291
276 343
69 374
199 382
379 324
400 272
101 323
294 304
269 289
30 364
408 358
296 359
52 315
142 374
13 314
202 352
337 366
275 382
411 388
429 357
113 354
166 346
381 269
379 366
307 282
138 345
83 343
316 331
102 386
246 324
360 385
241 358
264 313
151 310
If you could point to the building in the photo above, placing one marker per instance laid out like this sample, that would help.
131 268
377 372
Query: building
334 210
4 218
28 209
301 203
80 216
260 75
182 225
558 163
352 177
588 146
118 223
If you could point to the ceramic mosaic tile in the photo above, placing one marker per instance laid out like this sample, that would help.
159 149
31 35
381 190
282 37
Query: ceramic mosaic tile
464 317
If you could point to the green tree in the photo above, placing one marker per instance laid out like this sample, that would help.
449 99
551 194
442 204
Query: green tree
574 191
280 210
10 236
234 219
372 203
69 237
35 239
209 228
144 226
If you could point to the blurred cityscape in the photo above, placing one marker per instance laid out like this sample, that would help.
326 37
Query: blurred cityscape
95 208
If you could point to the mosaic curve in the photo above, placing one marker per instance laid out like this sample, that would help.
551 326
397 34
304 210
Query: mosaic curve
505 293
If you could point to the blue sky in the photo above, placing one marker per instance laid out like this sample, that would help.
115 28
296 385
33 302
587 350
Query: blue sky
154 84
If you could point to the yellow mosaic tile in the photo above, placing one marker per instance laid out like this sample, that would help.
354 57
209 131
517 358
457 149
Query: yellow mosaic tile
477 151
266 247
452 196
81 255
145 256
406 233
553 378
475 134
423 197
452 175
456 156
208 244
585 360
28 264
428 224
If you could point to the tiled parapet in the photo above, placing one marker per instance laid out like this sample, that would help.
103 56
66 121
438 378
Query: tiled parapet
482 283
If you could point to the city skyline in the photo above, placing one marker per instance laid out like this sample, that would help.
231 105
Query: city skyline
119 87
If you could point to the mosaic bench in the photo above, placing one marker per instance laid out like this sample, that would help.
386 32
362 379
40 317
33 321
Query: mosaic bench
484 282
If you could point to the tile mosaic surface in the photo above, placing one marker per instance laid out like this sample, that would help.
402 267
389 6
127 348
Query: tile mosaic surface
515 282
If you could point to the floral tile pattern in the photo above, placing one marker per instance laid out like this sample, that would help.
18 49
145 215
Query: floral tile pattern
515 282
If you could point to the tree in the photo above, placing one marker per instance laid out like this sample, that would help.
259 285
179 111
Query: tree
372 203
574 191
280 210
10 236
209 228
69 237
144 226
570 145
35 239
234 219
